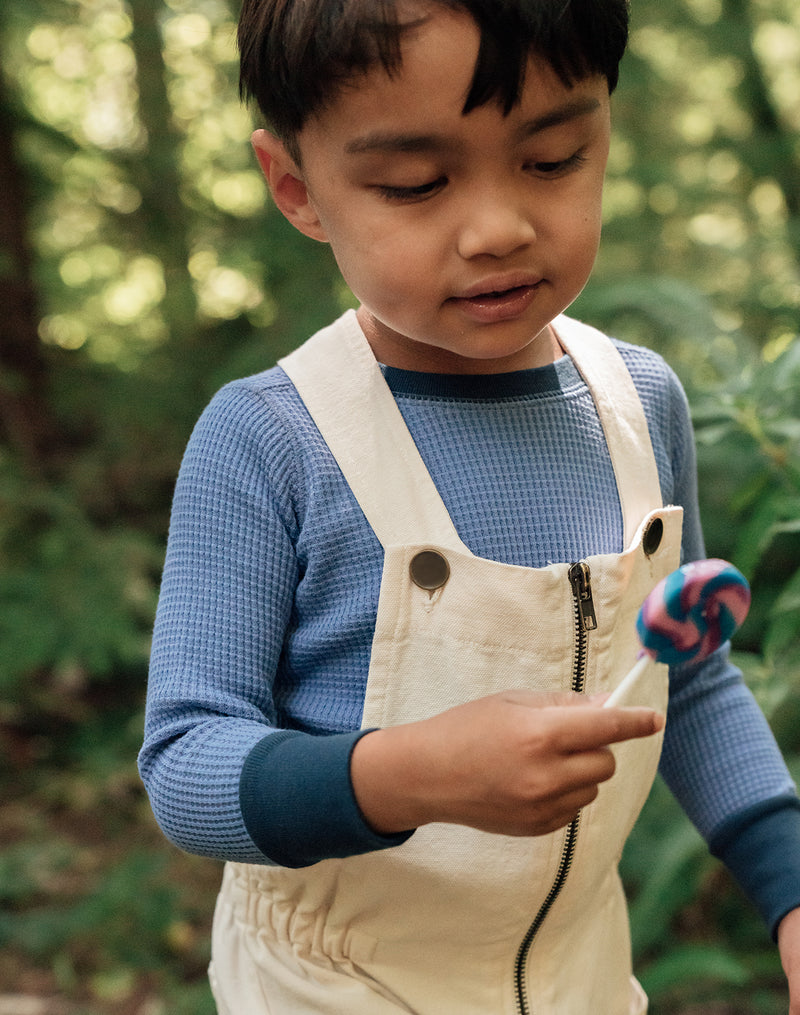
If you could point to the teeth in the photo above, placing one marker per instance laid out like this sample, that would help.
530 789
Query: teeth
495 294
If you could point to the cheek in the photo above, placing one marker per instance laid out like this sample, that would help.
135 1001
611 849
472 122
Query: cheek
581 226
390 263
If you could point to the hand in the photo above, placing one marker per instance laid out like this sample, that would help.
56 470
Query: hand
515 763
789 946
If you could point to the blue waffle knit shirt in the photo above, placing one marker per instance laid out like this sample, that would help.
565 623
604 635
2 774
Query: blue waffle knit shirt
270 592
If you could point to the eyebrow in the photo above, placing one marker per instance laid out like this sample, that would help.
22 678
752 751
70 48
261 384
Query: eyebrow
391 142
562 114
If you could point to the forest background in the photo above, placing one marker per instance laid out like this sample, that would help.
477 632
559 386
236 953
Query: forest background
141 267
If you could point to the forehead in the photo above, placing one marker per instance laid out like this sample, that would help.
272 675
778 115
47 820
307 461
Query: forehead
427 92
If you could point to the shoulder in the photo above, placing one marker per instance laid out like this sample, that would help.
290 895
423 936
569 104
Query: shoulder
651 374
249 440
669 421
657 384
251 417
647 367
251 404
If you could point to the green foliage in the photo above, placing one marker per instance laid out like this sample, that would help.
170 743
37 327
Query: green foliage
749 454
695 939
749 447
72 595
746 411
148 269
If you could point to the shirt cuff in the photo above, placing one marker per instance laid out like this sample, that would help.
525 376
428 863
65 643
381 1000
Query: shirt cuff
761 849
298 803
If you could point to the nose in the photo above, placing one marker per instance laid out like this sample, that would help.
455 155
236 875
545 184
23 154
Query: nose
494 226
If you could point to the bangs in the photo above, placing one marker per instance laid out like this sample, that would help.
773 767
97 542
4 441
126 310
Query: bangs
577 38
296 55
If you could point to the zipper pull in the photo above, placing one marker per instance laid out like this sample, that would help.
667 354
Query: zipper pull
581 581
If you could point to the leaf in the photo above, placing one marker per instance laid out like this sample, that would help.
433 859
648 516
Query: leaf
671 882
690 965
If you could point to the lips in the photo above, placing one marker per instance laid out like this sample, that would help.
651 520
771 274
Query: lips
498 299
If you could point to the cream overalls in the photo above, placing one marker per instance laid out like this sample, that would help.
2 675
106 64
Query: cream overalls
457 921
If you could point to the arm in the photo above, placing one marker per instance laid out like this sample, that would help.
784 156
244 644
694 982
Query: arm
721 761
224 781
218 633
789 945
720 758
514 763
216 766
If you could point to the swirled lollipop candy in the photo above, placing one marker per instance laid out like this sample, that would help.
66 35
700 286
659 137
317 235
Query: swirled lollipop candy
687 616
693 611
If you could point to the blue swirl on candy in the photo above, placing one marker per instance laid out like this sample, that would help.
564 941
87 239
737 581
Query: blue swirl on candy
693 611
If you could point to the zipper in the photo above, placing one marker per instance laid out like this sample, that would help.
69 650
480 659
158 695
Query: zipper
585 621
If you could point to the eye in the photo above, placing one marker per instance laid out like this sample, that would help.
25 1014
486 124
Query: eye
410 194
559 168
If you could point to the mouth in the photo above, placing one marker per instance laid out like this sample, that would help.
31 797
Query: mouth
498 301
496 295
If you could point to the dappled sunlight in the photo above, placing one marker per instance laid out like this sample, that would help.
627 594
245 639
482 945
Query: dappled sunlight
157 269
722 227
713 215
126 300
778 45
225 293
83 80
723 166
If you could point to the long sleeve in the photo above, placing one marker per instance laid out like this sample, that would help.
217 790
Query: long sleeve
270 590
225 777
720 758
218 632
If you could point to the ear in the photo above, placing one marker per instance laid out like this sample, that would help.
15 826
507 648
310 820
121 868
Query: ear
286 185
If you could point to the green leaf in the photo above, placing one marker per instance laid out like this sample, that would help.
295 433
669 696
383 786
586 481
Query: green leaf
691 965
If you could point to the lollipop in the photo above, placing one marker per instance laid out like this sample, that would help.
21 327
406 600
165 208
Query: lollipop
692 611
687 616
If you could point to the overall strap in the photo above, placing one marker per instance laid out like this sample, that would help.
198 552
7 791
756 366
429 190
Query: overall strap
341 384
621 415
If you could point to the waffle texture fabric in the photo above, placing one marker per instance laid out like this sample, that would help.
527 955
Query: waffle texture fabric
270 592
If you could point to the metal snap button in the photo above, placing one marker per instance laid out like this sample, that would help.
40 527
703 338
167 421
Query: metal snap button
429 570
653 534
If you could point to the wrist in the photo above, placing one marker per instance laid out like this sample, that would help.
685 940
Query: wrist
386 780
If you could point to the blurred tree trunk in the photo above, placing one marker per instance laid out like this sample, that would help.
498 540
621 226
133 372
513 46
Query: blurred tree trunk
25 424
771 151
163 216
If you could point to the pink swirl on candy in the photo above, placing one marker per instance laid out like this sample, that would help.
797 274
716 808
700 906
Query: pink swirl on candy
686 617
693 611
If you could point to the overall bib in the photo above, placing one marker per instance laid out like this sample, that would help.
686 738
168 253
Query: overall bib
456 921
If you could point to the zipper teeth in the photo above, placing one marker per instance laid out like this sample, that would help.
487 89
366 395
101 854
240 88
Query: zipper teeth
579 662
567 853
581 651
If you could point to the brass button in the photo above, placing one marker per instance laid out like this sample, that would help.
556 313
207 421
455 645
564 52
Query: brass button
429 570
653 534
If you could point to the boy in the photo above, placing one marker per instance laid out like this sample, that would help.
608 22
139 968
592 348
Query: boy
397 596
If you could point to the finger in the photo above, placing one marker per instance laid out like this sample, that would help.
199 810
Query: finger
634 723
584 729
583 770
538 821
569 782
567 809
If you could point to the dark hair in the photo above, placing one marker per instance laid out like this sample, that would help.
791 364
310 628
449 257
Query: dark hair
295 54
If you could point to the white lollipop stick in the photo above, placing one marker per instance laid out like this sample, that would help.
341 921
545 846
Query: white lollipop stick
629 682
685 618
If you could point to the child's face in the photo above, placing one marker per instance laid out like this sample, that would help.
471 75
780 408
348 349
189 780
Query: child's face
461 236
